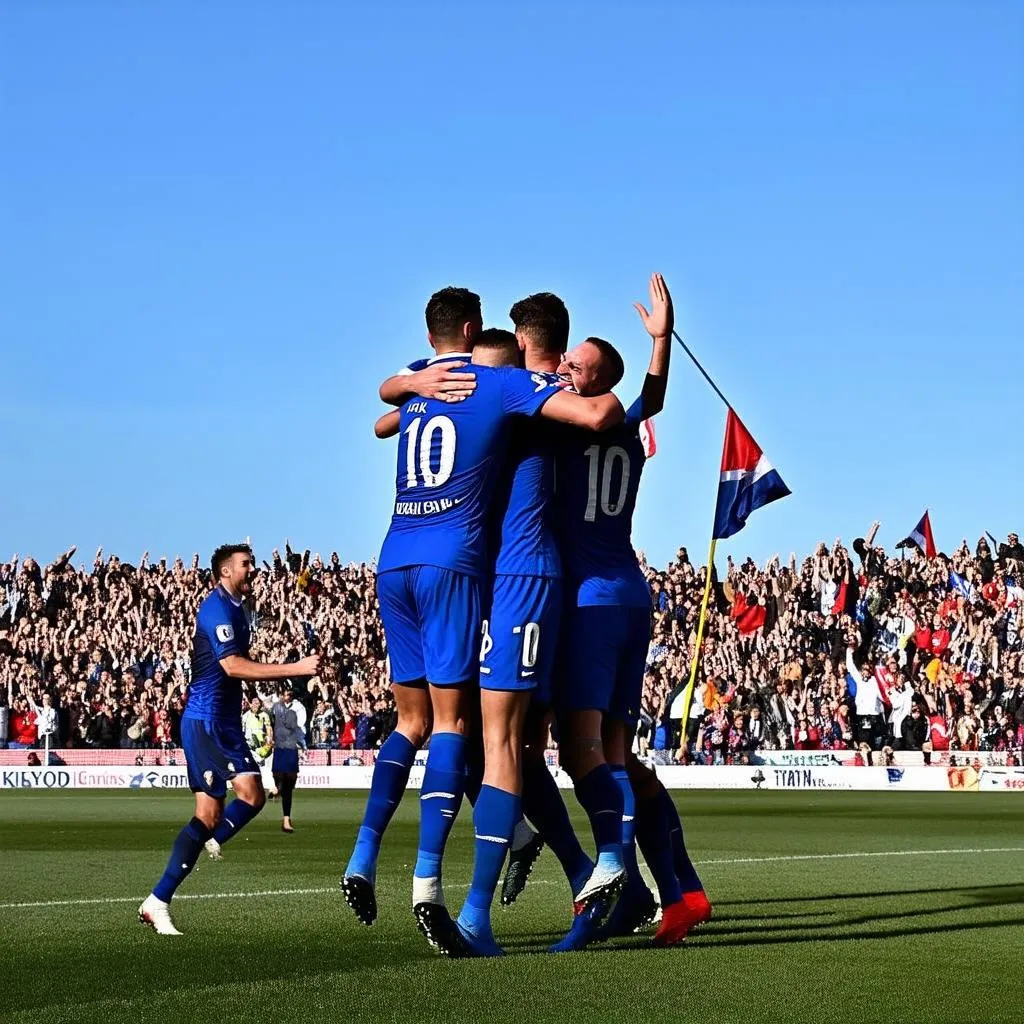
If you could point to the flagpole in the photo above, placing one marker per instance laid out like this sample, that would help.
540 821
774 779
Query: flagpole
696 651
704 373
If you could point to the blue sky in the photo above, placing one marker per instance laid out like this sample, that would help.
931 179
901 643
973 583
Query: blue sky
221 225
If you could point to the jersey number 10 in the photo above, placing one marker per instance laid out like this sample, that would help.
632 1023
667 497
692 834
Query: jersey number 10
418 451
601 480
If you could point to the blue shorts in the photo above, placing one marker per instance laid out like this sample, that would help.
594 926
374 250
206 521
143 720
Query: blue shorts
286 762
215 752
431 620
521 635
602 659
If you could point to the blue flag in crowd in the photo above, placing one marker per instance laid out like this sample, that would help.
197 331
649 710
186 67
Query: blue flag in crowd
962 587
851 685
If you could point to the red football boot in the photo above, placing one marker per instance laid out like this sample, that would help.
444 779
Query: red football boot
679 919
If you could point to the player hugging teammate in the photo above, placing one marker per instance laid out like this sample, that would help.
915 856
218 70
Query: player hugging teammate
504 598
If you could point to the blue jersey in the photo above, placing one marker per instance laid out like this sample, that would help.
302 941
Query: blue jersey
597 483
222 629
446 357
524 501
449 457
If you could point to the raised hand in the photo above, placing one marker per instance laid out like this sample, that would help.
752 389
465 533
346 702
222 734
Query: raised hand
309 666
660 320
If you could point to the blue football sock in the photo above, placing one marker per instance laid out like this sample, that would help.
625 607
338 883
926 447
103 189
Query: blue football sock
544 806
184 853
685 871
474 770
390 775
443 781
494 819
652 836
601 798
628 824
236 816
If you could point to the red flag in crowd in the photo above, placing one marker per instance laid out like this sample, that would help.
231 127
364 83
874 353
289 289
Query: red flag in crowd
921 538
749 617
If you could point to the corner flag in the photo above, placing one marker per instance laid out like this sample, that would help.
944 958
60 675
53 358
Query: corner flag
748 480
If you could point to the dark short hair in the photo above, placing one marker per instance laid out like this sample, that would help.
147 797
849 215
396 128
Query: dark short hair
498 340
615 368
224 552
449 309
544 315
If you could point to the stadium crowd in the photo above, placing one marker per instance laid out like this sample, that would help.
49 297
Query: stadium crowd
847 648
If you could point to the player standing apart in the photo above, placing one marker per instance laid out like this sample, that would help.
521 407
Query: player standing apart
211 727
289 735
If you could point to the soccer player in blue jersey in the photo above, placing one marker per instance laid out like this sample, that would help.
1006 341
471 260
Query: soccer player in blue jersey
605 638
428 583
542 330
521 613
211 727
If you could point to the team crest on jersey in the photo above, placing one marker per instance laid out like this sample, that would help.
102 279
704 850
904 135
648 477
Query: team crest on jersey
225 633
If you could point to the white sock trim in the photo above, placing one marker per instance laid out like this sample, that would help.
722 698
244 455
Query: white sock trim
427 890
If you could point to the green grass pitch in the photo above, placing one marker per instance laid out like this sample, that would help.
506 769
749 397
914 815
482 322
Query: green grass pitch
829 907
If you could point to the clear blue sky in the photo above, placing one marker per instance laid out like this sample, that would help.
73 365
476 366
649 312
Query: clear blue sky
220 226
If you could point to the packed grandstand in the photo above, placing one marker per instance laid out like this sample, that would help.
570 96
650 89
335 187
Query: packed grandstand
858 652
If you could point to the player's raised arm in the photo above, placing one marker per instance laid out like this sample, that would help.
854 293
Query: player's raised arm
658 323
599 413
239 667
444 381
388 425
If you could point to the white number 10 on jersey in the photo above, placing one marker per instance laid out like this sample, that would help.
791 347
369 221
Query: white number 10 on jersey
418 448
601 481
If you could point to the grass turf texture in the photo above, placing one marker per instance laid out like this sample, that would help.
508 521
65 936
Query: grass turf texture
920 937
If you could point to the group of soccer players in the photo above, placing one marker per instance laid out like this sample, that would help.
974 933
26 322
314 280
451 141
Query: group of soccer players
511 598
510 590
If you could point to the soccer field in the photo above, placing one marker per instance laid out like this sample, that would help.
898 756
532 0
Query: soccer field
829 907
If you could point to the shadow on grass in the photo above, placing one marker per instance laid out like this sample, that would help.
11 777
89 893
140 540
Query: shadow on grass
825 897
730 929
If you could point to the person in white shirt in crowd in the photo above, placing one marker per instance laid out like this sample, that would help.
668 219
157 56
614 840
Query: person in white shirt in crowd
868 699
901 699
46 721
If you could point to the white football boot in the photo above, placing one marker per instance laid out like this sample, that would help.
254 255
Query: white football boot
157 915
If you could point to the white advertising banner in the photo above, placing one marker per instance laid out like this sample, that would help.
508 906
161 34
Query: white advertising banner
1002 780
759 777
778 777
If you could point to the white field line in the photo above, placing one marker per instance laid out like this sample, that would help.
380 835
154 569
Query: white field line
100 901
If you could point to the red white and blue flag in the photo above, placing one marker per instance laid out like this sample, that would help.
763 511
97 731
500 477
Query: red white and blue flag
748 480
921 538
